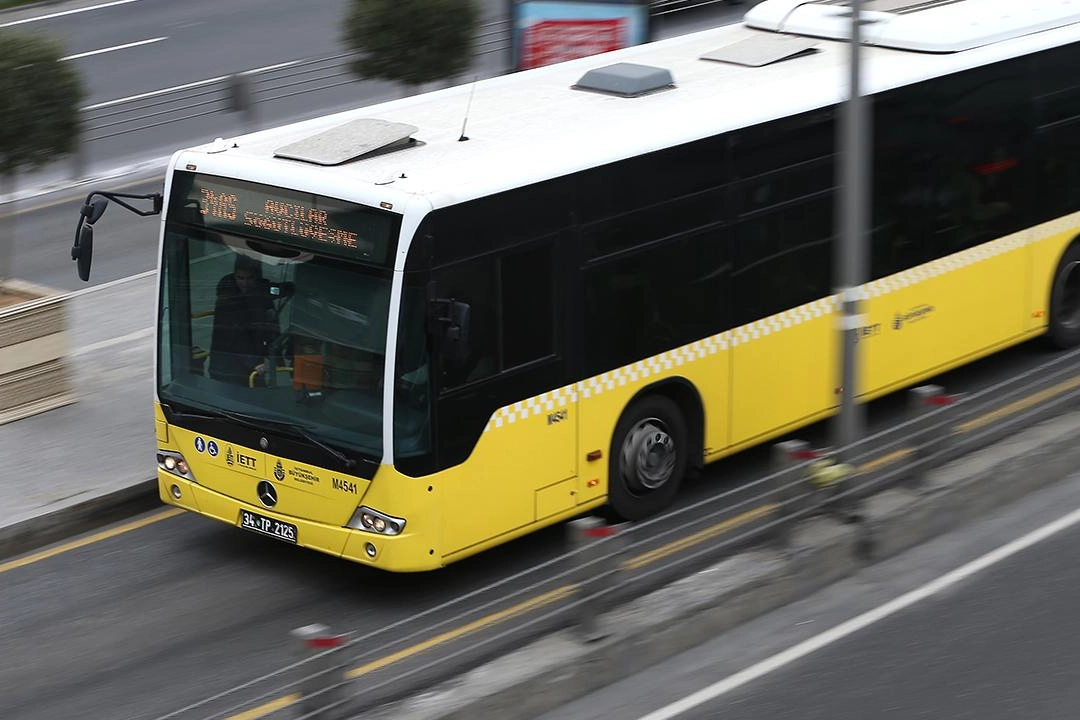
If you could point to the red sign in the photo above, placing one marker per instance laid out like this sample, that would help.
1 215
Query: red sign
552 41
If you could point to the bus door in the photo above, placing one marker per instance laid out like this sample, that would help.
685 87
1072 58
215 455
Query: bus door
506 428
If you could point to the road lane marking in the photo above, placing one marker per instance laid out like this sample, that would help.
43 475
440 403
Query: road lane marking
866 619
529 605
119 340
114 48
90 539
267 708
1018 405
880 462
647 558
186 86
50 16
109 284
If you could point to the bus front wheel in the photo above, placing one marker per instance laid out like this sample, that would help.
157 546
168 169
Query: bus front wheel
1064 331
648 458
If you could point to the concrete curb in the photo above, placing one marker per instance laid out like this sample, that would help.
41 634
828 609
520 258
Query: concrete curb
559 668
84 516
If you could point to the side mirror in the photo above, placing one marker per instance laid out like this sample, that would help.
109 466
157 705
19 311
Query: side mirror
94 210
83 251
455 332
457 322
448 322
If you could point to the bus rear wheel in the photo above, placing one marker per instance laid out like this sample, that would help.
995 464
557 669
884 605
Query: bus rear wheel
1064 329
648 458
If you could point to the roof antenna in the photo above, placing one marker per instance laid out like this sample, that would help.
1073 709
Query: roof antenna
467 108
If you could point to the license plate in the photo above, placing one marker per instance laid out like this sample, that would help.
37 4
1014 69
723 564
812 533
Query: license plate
267 526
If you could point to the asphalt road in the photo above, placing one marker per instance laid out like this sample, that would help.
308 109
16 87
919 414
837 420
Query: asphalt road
998 645
150 620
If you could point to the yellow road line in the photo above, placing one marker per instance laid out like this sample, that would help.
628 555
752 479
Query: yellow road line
532 604
886 460
89 539
652 556
1018 405
266 708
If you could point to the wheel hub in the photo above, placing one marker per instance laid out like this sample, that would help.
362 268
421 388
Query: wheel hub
648 456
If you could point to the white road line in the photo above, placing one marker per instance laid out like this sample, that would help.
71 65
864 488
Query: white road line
187 86
66 12
120 340
109 284
841 631
114 48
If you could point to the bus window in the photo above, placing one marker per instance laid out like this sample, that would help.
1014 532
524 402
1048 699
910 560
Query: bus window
511 299
667 294
528 306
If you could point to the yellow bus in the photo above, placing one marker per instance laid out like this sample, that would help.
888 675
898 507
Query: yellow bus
405 334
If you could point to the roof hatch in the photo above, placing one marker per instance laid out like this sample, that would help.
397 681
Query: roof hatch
762 50
626 80
919 25
353 140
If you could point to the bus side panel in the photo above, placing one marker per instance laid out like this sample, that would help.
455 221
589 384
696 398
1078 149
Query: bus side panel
525 448
936 314
1048 243
785 370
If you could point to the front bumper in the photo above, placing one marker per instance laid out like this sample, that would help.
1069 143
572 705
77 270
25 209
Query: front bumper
408 552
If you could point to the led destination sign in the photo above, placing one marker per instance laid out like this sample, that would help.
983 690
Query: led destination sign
314 222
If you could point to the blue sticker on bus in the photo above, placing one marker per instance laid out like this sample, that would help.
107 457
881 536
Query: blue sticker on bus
200 444
211 448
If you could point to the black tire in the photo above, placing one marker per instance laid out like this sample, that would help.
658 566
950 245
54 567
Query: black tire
1064 330
648 459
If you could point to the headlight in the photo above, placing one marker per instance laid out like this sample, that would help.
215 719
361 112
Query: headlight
376 522
174 464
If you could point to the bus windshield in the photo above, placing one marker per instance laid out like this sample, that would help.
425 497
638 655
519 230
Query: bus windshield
275 333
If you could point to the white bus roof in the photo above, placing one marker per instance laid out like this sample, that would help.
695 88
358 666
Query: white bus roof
532 125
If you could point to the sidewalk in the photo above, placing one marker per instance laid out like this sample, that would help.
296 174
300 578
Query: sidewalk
78 467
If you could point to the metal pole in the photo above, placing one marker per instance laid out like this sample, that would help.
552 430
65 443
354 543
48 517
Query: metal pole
851 250
322 673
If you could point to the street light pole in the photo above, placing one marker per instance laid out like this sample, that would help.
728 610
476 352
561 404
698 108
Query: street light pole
851 249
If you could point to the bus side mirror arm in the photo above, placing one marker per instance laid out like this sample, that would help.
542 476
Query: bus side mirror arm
82 250
448 319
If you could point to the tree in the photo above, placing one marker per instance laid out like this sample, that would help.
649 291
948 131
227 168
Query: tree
411 41
39 115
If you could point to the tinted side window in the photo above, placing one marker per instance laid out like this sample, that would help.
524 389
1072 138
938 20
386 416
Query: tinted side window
785 201
621 187
490 224
511 301
783 258
473 282
1057 84
1058 114
665 295
950 165
528 305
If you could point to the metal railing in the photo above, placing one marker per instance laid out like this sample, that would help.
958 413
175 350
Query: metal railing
610 565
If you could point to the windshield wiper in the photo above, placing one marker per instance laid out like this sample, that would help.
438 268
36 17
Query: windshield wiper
256 422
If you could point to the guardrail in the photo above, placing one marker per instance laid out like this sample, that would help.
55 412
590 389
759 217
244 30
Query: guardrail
609 565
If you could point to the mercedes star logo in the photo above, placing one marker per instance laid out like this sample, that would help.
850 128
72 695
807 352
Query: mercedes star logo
267 493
